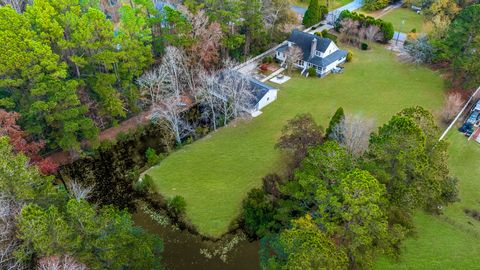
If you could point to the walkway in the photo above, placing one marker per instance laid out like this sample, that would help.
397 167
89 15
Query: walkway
275 73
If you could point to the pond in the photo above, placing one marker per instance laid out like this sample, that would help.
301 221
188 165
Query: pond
182 249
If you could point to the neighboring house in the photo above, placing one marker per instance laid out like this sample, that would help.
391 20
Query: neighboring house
261 94
318 52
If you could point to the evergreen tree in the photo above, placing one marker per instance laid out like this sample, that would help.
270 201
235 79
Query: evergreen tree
338 117
314 13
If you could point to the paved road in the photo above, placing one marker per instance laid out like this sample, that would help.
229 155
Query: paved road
298 10
332 15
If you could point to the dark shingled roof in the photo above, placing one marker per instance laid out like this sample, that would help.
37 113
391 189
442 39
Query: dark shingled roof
304 41
324 62
259 89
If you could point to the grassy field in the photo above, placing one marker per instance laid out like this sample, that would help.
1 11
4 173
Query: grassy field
404 20
334 3
215 173
451 241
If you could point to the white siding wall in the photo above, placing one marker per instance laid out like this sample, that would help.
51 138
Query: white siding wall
269 97
332 65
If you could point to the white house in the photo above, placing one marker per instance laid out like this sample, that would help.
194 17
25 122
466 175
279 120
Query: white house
264 94
318 52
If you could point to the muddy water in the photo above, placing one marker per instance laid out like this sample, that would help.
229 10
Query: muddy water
182 249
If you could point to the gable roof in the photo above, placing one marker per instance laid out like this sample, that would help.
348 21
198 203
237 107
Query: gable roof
257 88
304 41
324 62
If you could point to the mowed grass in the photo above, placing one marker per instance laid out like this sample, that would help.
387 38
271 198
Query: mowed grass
334 3
215 173
404 20
450 241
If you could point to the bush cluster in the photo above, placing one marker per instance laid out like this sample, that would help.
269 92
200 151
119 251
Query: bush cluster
385 27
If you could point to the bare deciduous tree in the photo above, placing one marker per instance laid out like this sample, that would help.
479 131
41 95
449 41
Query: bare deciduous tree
170 110
9 210
208 96
353 133
452 106
173 64
65 262
292 56
17 5
371 32
152 83
237 90
79 191
349 28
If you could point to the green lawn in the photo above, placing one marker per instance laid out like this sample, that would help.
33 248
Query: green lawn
215 173
451 241
334 3
404 20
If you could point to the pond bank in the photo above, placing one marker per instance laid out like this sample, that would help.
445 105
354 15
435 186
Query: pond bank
182 249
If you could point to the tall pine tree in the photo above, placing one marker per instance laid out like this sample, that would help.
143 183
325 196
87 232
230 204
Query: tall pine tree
314 13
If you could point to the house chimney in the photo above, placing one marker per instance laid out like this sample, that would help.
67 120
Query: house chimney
314 47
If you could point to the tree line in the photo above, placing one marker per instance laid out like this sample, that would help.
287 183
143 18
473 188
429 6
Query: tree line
349 194
454 41
50 227
69 71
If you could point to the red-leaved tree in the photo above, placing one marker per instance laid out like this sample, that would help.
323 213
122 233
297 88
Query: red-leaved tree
21 143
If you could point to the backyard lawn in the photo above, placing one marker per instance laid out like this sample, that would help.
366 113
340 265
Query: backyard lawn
215 173
451 241
404 20
334 3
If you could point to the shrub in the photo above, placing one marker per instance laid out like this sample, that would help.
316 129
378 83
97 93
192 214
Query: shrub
349 56
364 46
152 157
312 71
267 59
177 205
144 184
453 105
414 30
319 34
385 27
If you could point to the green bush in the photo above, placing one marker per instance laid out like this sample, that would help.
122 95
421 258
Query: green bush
312 71
349 56
319 34
364 46
177 205
144 184
385 27
267 60
152 156
414 30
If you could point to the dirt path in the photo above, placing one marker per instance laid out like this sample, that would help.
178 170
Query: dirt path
65 157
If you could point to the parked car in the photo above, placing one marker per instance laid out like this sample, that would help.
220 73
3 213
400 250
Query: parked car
466 129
